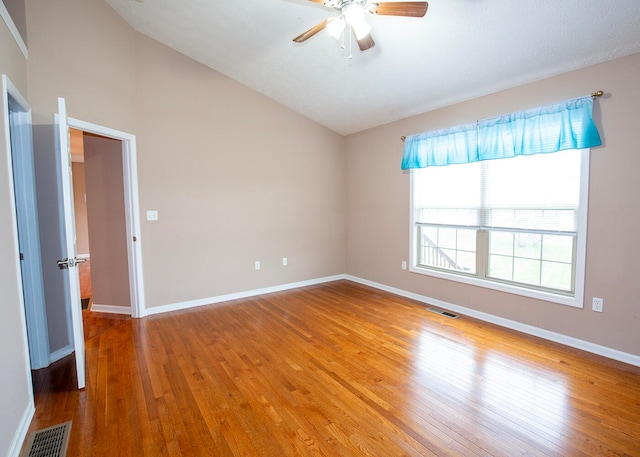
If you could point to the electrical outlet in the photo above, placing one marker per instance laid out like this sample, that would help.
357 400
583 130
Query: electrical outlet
257 265
285 262
404 265
597 304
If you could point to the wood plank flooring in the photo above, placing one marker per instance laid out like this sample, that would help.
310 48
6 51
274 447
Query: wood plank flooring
337 369
95 324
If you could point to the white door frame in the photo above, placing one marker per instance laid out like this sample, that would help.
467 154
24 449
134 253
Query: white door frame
130 171
19 142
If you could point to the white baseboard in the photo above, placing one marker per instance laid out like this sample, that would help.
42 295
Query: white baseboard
112 309
61 353
587 346
237 295
21 432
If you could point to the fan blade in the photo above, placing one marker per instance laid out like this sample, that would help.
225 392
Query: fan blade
411 9
311 32
365 42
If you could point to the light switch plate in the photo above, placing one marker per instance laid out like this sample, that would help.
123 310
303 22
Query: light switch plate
152 215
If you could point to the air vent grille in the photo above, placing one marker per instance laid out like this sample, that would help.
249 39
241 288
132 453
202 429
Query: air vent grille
48 442
442 312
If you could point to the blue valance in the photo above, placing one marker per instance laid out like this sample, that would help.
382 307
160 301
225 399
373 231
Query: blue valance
551 128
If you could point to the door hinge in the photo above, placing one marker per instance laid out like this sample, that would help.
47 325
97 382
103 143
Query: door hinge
21 256
135 239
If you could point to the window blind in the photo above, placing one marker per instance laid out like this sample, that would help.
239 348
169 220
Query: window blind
531 193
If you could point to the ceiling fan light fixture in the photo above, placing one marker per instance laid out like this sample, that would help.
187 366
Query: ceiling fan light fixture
353 13
361 29
335 26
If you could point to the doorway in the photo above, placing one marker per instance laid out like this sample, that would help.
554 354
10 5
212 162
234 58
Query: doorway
101 145
100 222
122 146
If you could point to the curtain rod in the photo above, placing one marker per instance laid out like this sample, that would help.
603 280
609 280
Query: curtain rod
594 95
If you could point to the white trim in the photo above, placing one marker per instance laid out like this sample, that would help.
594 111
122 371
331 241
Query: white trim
9 89
581 248
238 295
111 309
13 30
21 432
20 148
502 287
587 346
61 353
130 171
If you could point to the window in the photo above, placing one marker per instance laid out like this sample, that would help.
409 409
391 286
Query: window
516 224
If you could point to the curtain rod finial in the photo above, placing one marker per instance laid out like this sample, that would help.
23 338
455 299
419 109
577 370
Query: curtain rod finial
402 138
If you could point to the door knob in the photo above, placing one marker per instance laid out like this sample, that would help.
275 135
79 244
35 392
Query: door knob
70 263
66 263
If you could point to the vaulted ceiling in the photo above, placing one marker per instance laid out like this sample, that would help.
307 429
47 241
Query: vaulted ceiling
460 50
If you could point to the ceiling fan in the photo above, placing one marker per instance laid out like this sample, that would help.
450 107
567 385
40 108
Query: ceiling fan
352 16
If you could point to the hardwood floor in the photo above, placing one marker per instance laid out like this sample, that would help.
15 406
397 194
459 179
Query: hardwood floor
337 369
95 324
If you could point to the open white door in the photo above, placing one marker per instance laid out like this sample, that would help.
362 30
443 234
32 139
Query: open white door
69 263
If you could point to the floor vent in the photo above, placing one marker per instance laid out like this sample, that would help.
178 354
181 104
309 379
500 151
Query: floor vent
48 442
448 314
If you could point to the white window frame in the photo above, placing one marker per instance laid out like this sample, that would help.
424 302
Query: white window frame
575 300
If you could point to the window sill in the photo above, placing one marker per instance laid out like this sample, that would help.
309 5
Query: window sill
574 301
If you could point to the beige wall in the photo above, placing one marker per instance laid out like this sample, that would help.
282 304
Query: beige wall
235 178
106 221
15 395
82 51
378 208
80 208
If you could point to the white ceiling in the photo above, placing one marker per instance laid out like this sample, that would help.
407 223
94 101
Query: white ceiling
460 50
